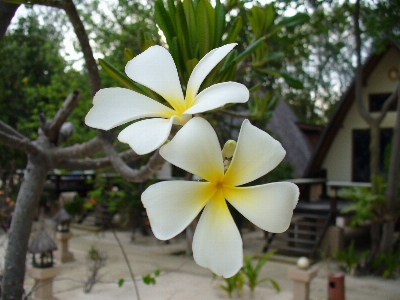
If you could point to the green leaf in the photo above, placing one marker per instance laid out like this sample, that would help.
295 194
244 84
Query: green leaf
121 282
182 31
191 23
275 285
157 272
269 16
191 64
268 58
234 31
297 19
129 54
219 23
148 279
251 48
292 82
205 20
164 21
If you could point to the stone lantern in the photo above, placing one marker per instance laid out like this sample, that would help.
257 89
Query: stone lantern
62 222
42 247
43 269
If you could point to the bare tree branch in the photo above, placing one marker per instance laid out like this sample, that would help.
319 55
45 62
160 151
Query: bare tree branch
91 65
358 81
52 128
388 102
77 151
99 163
145 172
9 130
7 12
18 143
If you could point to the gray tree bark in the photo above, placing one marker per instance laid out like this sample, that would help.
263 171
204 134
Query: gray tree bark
25 208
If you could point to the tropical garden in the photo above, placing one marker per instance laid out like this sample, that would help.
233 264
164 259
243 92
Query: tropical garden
70 67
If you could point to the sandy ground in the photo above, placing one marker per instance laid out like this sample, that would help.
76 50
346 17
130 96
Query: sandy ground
181 278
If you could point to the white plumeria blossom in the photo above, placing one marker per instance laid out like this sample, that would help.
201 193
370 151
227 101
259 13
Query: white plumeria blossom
155 69
172 205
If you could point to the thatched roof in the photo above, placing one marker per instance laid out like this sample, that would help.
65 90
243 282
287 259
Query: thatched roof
283 125
42 243
61 216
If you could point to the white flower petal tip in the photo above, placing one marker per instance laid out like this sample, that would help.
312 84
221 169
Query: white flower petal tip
155 69
204 67
256 154
218 95
269 206
116 106
147 135
217 244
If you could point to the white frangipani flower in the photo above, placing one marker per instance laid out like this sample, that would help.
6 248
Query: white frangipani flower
172 205
155 69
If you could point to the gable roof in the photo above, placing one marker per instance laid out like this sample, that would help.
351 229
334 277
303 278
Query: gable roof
314 167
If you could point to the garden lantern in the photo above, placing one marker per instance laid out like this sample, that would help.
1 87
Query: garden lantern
62 221
42 247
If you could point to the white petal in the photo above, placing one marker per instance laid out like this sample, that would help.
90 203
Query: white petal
172 205
203 68
155 69
217 244
269 206
218 95
195 148
256 154
115 106
147 135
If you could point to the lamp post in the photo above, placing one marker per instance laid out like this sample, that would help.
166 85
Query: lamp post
43 269
62 222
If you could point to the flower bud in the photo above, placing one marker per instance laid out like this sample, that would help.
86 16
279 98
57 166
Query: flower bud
229 149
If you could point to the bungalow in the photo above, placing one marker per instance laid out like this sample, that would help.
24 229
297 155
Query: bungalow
341 158
342 154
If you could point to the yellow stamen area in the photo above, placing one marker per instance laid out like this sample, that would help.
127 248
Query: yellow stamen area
219 190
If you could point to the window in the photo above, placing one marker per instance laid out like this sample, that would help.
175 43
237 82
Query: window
361 153
376 102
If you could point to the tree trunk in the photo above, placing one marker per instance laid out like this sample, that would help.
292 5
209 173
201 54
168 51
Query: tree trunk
391 190
25 208
374 149
387 236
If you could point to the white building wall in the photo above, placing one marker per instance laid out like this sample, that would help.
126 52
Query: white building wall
338 161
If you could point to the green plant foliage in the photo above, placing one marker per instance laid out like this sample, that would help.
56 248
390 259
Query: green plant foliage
151 278
365 205
234 283
74 207
387 265
252 273
121 282
249 274
350 258
192 28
